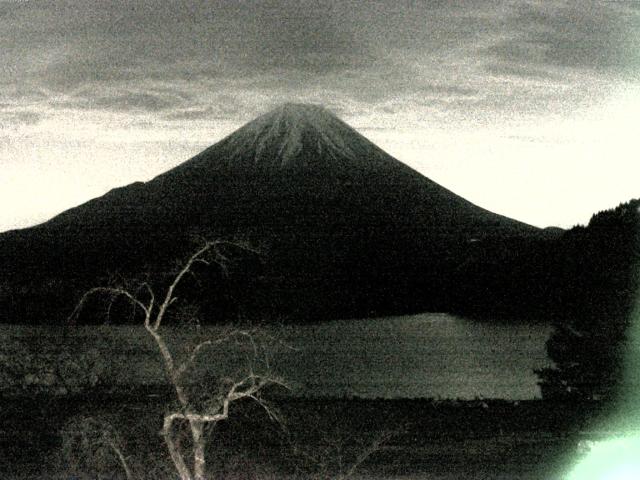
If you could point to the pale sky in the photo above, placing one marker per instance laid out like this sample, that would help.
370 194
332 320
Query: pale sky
527 108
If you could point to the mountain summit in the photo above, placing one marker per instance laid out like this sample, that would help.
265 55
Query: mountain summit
293 136
346 229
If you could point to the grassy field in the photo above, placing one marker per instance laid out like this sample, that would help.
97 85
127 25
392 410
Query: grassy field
426 439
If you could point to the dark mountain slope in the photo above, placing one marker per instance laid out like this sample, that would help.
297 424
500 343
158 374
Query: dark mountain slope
346 229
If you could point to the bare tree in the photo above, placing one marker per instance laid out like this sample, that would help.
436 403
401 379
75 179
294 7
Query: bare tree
94 441
335 451
192 412
338 458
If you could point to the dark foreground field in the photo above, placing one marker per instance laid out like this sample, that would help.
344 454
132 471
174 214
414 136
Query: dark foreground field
319 438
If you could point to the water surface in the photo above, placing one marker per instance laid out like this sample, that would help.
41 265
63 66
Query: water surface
427 355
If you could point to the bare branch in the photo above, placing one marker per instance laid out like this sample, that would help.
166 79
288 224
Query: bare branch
119 455
203 261
274 416
152 297
228 336
88 438
111 291
185 269
366 453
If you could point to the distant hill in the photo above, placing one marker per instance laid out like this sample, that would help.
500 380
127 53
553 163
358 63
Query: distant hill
346 229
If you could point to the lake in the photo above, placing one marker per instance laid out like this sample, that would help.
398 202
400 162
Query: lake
427 355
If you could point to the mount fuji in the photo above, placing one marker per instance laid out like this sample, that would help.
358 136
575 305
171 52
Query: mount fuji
345 229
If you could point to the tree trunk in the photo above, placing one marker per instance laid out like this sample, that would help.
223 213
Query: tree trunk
176 456
199 462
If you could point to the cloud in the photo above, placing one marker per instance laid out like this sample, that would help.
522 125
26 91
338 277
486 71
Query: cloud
20 117
71 43
522 71
460 59
126 101
222 107
591 35
446 89
197 114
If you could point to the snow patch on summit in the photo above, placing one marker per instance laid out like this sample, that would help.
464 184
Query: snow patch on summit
281 135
